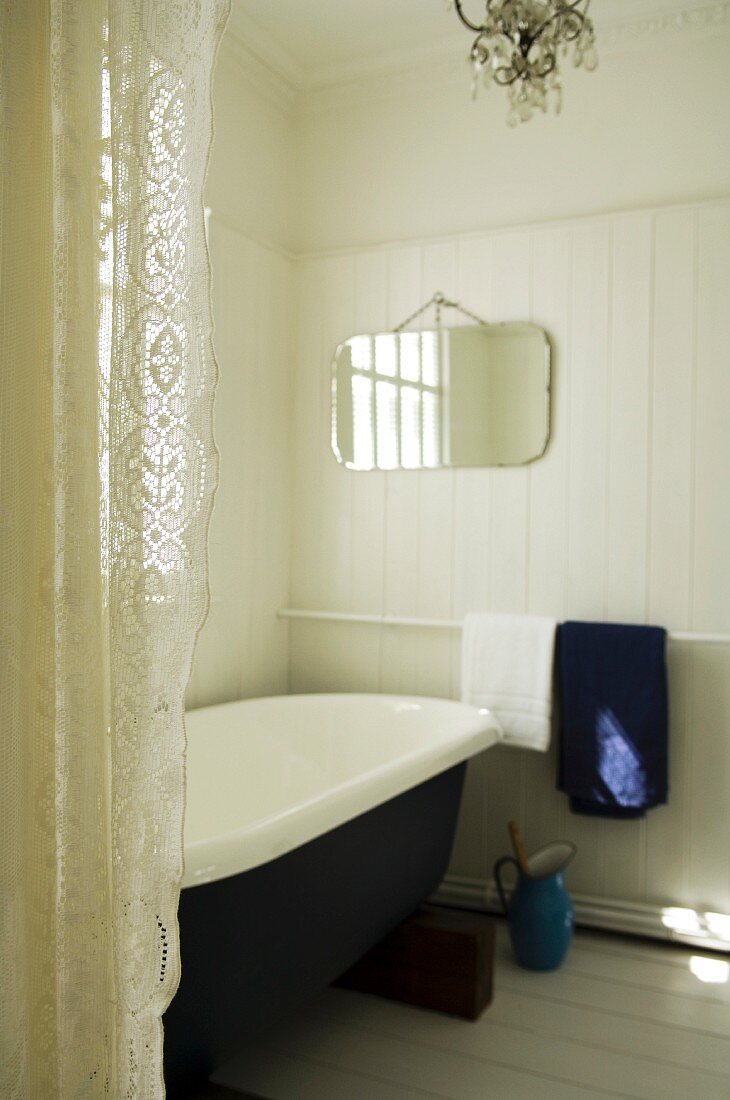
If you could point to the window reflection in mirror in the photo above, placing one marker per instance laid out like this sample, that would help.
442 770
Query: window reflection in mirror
471 396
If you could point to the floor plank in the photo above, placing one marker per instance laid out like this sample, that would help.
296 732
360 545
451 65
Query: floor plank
636 1002
624 1034
278 1074
621 1018
401 1064
642 950
218 1092
491 1040
644 969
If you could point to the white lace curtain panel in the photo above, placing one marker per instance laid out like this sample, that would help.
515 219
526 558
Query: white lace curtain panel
107 470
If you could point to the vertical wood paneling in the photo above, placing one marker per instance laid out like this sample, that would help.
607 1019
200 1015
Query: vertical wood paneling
310 437
436 514
589 389
509 539
711 488
368 489
368 492
242 649
552 261
628 414
672 418
439 273
471 542
336 482
623 518
709 818
509 492
398 662
436 488
327 660
627 462
471 549
475 277
667 829
587 496
545 809
268 520
342 660
669 574
472 488
472 844
709 824
247 492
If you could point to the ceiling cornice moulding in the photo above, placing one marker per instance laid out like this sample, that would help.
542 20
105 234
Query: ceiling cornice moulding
259 74
277 74
253 37
680 19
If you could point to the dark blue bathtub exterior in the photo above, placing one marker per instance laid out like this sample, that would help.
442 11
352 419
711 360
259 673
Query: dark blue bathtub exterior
261 942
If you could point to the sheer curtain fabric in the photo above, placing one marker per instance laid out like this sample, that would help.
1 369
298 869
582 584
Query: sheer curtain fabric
107 468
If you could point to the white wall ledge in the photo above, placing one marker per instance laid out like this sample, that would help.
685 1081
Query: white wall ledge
456 624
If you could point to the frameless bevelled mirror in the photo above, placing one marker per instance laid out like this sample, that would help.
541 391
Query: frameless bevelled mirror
478 395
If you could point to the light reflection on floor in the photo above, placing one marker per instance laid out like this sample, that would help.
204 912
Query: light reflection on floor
709 930
712 971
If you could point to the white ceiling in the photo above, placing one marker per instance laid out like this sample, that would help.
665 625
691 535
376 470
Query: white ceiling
313 40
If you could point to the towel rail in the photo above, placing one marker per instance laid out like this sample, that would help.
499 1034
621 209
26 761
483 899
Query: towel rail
453 624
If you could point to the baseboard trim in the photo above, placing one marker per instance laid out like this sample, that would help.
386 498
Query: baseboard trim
605 914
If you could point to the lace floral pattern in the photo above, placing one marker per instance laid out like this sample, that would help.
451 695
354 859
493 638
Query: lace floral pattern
109 470
160 419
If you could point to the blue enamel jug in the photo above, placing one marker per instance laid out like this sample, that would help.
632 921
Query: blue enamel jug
540 912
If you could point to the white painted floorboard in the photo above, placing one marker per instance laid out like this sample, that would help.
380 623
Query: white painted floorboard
621 1018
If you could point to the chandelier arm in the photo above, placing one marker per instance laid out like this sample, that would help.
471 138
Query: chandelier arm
509 75
548 68
476 27
531 53
559 15
505 77
566 10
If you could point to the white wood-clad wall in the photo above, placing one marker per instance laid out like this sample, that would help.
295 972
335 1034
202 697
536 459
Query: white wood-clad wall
626 518
243 648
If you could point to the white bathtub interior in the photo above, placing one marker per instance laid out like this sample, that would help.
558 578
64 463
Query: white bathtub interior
267 775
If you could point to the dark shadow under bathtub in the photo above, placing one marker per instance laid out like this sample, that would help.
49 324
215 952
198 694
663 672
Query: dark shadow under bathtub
261 942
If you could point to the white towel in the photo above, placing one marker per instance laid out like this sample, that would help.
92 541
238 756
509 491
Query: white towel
507 666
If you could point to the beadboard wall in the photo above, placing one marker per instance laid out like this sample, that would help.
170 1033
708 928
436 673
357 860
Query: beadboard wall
243 648
626 518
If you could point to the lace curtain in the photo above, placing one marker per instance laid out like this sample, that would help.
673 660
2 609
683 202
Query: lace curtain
108 469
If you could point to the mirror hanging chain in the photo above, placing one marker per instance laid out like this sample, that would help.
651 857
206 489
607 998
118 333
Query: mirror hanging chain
439 301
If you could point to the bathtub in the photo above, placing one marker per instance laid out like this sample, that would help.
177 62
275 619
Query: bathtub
314 824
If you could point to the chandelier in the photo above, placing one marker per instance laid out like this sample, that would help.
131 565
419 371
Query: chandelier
519 45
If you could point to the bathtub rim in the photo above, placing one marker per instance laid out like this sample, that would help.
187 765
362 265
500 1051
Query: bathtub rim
222 855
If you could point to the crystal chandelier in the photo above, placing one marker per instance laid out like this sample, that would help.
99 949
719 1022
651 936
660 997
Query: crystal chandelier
519 45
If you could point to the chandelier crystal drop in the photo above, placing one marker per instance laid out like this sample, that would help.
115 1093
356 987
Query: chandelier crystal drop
519 45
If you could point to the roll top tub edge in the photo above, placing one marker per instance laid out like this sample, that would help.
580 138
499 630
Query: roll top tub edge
265 776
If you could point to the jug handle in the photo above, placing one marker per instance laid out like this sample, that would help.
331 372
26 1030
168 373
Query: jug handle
498 879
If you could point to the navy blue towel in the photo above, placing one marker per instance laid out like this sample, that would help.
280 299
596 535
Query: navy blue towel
614 723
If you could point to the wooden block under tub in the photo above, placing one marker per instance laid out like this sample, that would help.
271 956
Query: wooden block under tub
442 959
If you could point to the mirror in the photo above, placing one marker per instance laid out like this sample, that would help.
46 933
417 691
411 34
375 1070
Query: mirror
478 395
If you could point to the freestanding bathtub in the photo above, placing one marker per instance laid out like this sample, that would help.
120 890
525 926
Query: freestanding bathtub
314 825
